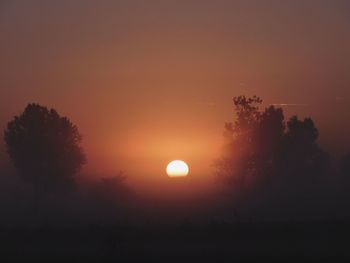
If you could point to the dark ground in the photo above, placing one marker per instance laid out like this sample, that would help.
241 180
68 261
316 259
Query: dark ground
217 242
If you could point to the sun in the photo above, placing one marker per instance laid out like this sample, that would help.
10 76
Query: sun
177 168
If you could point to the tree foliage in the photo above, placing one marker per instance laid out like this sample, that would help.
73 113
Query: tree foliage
300 154
260 144
44 147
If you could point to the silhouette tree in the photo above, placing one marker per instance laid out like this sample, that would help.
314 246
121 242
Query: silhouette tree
301 155
237 163
45 148
259 146
253 141
269 136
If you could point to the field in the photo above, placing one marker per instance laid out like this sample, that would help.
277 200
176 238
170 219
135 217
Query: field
216 242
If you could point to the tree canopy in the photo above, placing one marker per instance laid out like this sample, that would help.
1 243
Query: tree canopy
44 147
261 144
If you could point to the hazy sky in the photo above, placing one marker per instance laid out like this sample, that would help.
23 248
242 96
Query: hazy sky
152 81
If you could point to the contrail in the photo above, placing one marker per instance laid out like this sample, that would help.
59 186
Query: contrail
288 104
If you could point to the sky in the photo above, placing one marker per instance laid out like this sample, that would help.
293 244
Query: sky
147 82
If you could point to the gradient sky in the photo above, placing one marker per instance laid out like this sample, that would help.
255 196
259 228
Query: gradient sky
152 81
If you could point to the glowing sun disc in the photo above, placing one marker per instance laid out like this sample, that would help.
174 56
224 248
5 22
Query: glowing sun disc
177 168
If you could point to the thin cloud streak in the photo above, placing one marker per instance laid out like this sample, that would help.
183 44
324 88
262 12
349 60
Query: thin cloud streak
288 104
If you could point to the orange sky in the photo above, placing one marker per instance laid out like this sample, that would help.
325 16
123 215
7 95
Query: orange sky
152 81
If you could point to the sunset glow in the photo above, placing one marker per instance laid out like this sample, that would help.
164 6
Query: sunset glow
175 130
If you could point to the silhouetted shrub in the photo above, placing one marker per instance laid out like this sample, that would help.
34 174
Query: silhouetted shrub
45 148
